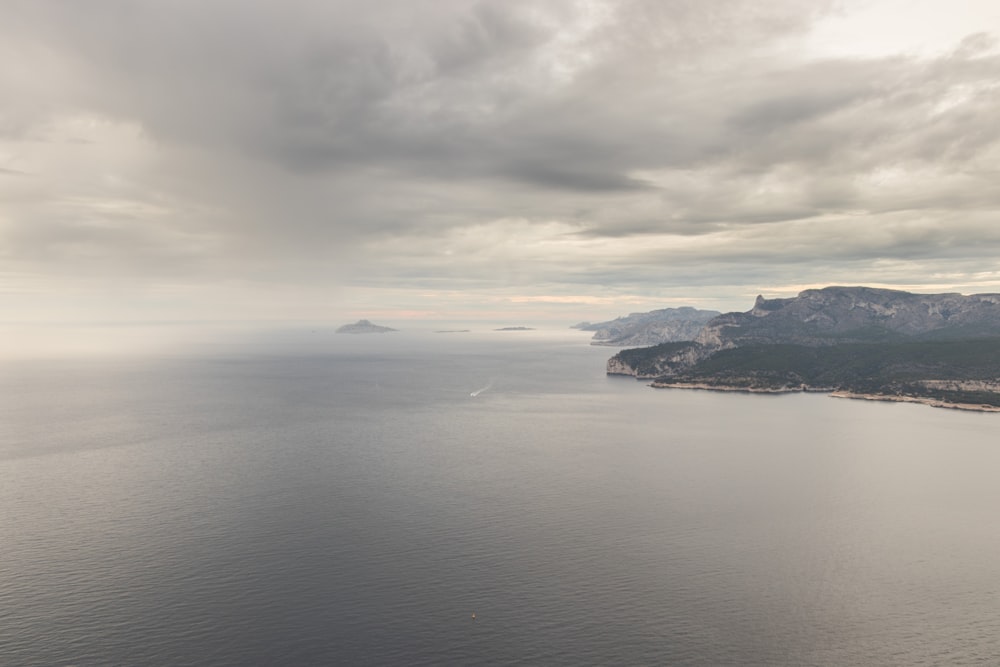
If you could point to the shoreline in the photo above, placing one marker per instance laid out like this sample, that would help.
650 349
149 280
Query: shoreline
833 393
728 388
933 402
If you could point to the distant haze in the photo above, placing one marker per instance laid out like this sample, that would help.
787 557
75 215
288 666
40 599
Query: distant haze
497 160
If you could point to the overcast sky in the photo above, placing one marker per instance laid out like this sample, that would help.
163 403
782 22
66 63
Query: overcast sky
502 159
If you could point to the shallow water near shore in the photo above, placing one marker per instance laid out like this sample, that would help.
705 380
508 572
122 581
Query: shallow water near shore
321 499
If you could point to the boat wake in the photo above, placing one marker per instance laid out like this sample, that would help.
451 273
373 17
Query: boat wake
479 391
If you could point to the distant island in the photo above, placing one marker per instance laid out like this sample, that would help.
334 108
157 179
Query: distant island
514 329
453 331
856 342
363 327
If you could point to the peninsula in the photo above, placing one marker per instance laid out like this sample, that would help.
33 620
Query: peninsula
657 326
856 342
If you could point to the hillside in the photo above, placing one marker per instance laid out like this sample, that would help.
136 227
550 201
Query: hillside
856 315
856 340
651 328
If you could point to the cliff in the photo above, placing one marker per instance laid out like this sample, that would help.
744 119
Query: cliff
656 361
652 328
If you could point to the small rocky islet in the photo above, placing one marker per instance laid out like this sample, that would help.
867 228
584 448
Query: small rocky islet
363 327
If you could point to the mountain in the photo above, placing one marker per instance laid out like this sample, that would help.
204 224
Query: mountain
861 341
363 327
657 326
855 315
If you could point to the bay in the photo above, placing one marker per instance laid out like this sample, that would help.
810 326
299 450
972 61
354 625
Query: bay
320 499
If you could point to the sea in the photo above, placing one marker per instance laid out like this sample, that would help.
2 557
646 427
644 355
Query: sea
479 498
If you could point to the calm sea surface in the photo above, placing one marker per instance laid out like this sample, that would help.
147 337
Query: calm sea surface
322 500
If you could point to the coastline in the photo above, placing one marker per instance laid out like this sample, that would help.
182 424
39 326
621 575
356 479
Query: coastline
730 388
932 402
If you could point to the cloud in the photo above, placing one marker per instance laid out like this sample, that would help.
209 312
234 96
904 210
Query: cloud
573 147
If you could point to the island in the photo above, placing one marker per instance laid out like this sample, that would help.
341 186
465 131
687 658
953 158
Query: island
514 329
363 327
852 342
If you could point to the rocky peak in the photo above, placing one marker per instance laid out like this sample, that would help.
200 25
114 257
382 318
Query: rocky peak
762 306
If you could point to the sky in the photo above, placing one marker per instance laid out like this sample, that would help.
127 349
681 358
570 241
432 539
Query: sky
326 160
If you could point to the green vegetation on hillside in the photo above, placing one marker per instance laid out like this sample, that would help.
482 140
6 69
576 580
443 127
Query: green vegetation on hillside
944 370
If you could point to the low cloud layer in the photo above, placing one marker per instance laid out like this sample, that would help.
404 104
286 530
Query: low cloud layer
164 160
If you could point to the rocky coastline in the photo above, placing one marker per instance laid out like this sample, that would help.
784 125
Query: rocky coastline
829 391
833 393
933 402
941 350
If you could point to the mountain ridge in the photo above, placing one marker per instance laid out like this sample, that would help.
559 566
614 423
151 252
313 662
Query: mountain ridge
664 325
855 314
